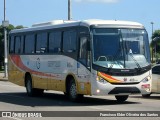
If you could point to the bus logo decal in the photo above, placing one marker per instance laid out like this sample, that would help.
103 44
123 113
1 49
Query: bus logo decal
38 63
125 79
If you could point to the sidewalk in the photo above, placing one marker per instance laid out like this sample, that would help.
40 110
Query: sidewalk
2 77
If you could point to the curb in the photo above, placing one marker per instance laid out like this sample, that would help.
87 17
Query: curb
3 79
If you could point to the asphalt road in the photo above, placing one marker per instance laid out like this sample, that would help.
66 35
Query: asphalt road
14 98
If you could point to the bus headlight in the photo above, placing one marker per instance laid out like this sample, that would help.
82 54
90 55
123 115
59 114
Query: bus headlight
146 79
101 80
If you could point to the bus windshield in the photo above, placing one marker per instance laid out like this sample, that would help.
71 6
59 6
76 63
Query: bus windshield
120 48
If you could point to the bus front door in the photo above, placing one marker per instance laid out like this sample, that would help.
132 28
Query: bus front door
83 65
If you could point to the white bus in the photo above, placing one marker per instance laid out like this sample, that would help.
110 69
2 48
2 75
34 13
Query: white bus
90 57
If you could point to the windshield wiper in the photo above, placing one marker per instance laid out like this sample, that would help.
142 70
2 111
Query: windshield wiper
123 48
138 65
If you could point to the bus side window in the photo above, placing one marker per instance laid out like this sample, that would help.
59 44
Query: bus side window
41 44
55 42
30 44
69 41
17 44
22 44
11 44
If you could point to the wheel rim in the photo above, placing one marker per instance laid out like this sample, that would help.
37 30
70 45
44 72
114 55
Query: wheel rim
73 91
29 86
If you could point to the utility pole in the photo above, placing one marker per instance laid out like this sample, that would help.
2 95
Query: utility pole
152 40
69 9
5 24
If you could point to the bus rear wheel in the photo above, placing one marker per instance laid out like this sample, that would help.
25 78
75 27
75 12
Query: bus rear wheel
72 92
121 98
30 90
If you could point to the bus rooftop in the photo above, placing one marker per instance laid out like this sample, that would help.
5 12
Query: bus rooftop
86 23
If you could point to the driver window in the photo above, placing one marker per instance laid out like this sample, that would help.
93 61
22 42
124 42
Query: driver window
83 52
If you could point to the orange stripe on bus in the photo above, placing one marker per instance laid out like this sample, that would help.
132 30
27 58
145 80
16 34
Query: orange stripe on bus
18 62
109 78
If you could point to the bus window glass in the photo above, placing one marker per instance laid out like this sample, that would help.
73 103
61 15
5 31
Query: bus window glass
55 42
83 30
29 44
69 41
41 46
11 45
17 45
83 50
22 44
121 48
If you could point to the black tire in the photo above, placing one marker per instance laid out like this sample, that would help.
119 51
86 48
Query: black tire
38 92
66 94
72 92
146 95
121 98
30 90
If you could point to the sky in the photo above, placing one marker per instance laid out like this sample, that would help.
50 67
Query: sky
28 12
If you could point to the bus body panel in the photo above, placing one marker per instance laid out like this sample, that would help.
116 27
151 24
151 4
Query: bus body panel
104 88
48 72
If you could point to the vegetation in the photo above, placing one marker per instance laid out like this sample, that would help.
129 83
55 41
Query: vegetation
155 44
9 28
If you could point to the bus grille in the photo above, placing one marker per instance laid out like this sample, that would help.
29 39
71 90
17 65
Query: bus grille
130 83
119 90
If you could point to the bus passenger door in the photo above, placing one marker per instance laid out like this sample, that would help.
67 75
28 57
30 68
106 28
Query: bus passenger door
83 65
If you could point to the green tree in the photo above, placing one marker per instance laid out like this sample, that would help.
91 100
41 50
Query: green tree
19 27
9 28
155 44
1 44
155 34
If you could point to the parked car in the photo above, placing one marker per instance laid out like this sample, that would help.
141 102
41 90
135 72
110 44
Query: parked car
155 80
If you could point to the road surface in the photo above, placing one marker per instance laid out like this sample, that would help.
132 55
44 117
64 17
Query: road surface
14 98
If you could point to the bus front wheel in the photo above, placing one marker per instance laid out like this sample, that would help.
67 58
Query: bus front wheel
72 91
121 98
